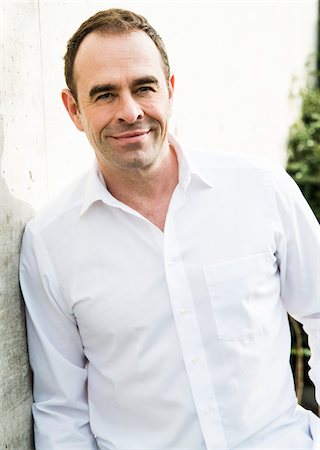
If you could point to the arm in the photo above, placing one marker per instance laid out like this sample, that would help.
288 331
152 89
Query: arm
299 256
60 407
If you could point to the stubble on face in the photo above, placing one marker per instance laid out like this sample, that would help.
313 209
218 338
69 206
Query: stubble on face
136 149
121 143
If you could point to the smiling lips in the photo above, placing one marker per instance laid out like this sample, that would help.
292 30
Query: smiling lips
131 136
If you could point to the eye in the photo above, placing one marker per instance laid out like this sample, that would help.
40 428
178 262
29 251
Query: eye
105 96
145 89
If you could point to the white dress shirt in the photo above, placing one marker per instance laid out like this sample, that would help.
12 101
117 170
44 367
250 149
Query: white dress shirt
146 340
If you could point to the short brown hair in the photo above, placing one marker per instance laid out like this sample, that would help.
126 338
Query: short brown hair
111 21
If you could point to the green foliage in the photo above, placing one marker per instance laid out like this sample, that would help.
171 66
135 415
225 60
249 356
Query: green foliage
304 149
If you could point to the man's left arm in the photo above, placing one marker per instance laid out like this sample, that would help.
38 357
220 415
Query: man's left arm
299 256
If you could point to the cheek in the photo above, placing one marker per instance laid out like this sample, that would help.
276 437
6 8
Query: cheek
159 110
96 121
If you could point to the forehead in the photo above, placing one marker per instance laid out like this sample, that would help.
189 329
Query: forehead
114 56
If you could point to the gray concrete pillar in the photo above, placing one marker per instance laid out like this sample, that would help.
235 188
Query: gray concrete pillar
15 377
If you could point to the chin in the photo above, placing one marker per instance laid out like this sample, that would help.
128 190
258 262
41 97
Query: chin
136 163
138 160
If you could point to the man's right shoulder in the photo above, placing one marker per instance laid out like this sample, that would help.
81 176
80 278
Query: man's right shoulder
65 207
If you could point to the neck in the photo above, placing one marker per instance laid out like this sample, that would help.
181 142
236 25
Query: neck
147 190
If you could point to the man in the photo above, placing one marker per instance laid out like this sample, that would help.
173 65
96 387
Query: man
157 288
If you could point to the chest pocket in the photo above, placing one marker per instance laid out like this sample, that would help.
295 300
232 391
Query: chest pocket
242 293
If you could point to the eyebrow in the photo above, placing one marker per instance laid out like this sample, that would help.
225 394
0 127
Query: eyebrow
146 80
112 87
101 88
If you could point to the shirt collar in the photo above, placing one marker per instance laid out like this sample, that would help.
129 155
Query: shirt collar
96 190
187 168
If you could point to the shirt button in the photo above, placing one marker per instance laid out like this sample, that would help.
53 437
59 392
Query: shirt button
183 310
195 360
206 411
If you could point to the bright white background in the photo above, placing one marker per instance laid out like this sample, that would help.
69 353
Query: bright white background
237 64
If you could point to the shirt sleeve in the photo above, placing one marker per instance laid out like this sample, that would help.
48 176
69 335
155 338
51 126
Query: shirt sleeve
60 409
299 257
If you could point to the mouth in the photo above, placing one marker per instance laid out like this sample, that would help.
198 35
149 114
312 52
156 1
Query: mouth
131 136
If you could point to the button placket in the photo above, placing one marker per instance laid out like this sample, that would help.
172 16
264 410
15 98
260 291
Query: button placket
191 341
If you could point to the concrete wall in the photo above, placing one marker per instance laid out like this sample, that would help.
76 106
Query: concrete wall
15 377
235 62
16 139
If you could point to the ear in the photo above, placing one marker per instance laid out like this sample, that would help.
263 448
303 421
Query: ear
171 89
171 86
72 108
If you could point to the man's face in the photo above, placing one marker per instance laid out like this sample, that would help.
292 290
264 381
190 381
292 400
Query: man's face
124 101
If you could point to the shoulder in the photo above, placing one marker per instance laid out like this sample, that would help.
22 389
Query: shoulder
236 168
240 172
62 209
231 160
244 173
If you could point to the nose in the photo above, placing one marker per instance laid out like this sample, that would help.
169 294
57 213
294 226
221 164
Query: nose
128 109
